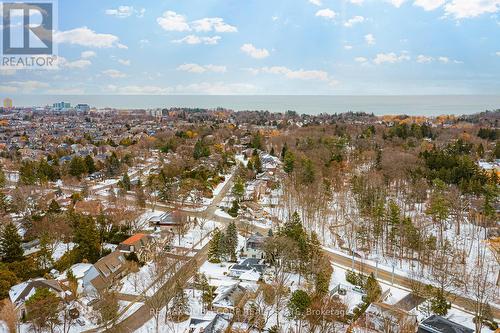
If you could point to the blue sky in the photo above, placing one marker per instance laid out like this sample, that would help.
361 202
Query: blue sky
329 47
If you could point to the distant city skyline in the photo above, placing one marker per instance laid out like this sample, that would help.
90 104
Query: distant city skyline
310 104
301 47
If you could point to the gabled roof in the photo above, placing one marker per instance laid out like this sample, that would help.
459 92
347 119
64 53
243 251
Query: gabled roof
132 240
109 264
20 292
437 324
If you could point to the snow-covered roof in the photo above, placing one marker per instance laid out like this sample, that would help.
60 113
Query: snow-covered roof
252 275
24 290
80 269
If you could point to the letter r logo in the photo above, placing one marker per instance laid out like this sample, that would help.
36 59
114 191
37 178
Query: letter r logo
21 29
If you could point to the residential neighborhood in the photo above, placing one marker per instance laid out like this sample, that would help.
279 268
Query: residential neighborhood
142 221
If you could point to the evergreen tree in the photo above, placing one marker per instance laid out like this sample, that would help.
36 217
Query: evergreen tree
257 163
43 310
298 304
86 236
54 207
126 182
239 189
46 172
113 164
232 240
10 244
373 289
28 173
4 204
180 304
284 151
201 150
89 163
214 254
256 141
233 211
3 179
77 167
289 162
439 304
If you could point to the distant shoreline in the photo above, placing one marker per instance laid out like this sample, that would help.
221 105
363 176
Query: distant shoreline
425 105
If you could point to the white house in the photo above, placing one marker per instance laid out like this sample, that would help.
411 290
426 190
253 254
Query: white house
21 292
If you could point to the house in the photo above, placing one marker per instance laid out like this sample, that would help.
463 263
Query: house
437 324
250 276
140 244
110 268
228 297
21 292
254 246
163 219
84 274
381 317
209 324
247 265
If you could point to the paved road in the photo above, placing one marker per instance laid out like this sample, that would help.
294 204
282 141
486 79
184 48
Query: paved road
188 269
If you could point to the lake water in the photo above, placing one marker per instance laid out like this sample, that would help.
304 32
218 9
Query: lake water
379 105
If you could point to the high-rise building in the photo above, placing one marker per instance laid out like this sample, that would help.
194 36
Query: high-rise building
7 103
82 108
61 106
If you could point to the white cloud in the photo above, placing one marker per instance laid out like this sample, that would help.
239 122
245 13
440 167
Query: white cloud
316 2
348 47
86 37
113 73
193 39
121 11
80 64
360 59
355 20
423 59
216 24
356 2
370 39
217 88
8 89
444 60
390 58
138 90
88 54
461 9
255 52
171 21
65 91
26 86
195 68
326 13
140 13
396 3
301 74
429 5
124 62
498 53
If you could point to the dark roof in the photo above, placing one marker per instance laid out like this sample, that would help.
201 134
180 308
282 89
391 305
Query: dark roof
437 324
249 264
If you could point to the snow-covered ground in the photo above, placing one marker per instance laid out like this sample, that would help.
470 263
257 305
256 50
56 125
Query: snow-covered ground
196 236
221 213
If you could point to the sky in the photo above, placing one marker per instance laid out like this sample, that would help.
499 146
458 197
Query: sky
270 47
